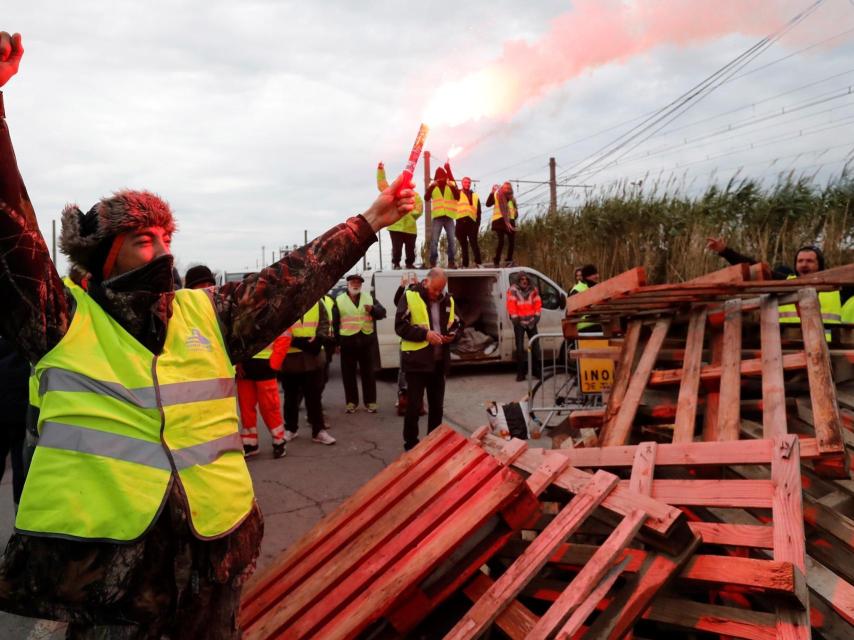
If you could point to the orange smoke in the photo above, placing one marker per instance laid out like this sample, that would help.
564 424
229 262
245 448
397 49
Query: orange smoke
596 33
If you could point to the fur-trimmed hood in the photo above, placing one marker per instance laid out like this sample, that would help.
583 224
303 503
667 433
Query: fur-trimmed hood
83 235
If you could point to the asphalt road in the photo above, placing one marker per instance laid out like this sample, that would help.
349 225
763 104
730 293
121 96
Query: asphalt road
296 491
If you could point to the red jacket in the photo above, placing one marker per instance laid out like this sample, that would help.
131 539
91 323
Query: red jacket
523 305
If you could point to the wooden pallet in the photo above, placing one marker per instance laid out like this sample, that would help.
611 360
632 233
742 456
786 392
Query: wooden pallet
495 601
710 398
398 547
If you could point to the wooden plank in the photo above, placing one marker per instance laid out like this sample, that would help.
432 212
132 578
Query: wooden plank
662 518
616 431
771 576
516 620
583 611
623 371
733 273
643 468
728 621
825 410
512 581
729 414
712 493
712 404
685 454
586 581
686 405
788 519
551 467
513 450
355 514
629 603
836 591
335 559
818 515
712 372
773 390
738 535
410 566
618 285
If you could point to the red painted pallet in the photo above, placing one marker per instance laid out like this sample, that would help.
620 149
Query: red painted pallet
398 547
637 515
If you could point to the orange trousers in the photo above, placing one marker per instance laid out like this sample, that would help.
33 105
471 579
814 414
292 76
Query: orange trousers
265 395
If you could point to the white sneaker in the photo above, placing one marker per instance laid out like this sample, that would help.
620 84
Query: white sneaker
290 435
324 437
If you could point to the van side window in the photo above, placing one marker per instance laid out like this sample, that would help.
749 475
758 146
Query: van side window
549 295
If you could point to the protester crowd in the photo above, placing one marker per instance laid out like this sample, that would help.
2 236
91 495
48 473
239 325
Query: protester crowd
128 380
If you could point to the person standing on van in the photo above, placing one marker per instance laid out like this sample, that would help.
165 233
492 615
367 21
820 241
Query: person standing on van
504 214
427 324
444 195
524 307
403 232
353 321
468 223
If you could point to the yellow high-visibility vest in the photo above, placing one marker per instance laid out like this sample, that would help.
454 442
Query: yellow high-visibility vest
119 424
306 327
578 288
265 353
444 203
355 319
848 311
407 223
420 317
496 210
829 302
466 209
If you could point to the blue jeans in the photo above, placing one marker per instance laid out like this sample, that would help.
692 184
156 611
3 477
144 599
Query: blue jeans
447 224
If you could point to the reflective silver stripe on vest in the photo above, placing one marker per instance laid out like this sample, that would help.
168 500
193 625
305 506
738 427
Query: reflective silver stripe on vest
68 437
57 435
831 317
54 379
207 452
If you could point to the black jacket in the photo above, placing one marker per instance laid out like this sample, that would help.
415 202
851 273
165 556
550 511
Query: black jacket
14 390
422 360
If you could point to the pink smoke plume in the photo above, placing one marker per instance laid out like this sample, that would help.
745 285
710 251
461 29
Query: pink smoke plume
596 33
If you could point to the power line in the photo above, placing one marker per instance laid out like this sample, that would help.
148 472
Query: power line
785 113
640 117
677 107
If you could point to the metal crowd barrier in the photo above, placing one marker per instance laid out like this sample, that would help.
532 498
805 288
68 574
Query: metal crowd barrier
553 386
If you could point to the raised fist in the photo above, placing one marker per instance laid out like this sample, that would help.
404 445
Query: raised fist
11 51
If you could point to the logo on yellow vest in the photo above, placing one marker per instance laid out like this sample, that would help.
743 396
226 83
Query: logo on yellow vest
197 342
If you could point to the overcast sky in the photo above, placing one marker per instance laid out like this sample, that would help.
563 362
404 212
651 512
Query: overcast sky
260 121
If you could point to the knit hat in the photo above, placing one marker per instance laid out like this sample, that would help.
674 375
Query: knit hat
87 238
197 275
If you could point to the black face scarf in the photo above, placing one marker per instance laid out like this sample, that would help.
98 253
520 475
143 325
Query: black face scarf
140 300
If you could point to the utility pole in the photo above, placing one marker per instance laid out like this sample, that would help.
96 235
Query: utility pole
380 247
428 217
263 255
305 236
53 225
552 187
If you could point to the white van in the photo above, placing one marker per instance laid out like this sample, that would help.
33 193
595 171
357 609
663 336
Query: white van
480 302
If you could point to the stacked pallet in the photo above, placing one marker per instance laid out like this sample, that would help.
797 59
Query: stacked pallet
707 363
714 500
